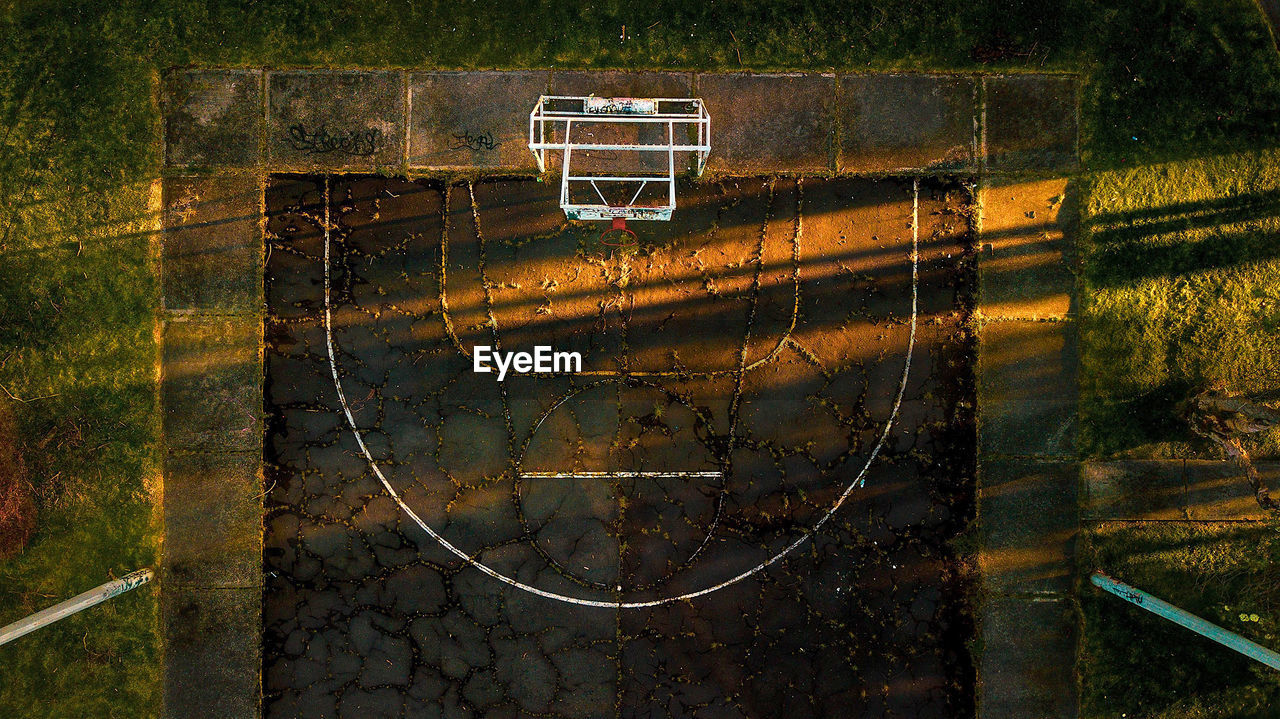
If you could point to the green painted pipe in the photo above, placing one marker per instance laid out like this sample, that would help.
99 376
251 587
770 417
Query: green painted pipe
1208 629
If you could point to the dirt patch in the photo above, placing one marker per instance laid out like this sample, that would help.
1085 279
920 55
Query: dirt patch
17 507
741 365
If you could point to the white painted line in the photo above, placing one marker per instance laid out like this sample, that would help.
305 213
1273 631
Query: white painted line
858 481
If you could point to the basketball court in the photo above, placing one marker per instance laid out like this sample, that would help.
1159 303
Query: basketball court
740 507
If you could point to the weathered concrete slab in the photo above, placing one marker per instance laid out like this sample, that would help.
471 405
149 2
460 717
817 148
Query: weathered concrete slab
213 118
770 123
1028 230
1133 490
1036 428
1032 123
1027 360
1027 666
907 122
1027 388
211 257
1220 491
617 83
212 384
335 120
470 120
1028 519
212 652
213 519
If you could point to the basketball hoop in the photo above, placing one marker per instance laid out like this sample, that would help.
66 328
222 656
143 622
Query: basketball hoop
617 235
646 132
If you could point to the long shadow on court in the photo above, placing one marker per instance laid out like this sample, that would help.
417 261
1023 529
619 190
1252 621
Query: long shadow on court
365 613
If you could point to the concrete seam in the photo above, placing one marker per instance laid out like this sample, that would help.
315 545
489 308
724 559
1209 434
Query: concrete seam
266 115
408 124
261 153
982 124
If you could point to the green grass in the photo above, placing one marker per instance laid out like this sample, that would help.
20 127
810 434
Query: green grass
1182 290
1181 89
75 328
1175 80
1140 666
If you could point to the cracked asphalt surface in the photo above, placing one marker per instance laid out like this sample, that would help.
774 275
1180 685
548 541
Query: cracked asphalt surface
760 335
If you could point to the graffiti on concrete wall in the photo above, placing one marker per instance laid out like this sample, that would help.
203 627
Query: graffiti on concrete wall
360 143
475 142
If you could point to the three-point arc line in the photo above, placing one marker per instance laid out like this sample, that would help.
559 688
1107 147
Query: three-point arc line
472 561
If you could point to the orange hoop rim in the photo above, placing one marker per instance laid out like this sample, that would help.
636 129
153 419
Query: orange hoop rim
619 225
623 232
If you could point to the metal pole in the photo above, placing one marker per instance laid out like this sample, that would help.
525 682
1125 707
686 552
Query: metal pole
1208 629
74 604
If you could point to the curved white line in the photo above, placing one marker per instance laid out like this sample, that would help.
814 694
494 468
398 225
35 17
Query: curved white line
858 481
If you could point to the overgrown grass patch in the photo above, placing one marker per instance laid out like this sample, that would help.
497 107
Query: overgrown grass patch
1140 666
1181 291
1175 80
77 347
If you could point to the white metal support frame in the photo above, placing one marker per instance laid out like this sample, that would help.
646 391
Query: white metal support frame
560 112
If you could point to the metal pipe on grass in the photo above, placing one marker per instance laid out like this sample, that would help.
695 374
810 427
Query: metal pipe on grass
1200 626
75 604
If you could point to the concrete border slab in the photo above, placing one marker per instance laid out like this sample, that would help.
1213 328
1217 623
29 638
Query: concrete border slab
211 394
1027 241
1028 428
213 519
1027 515
212 118
213 652
1220 492
1032 123
770 123
907 123
1133 490
1027 388
1027 361
1027 669
335 120
473 120
211 256
617 83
